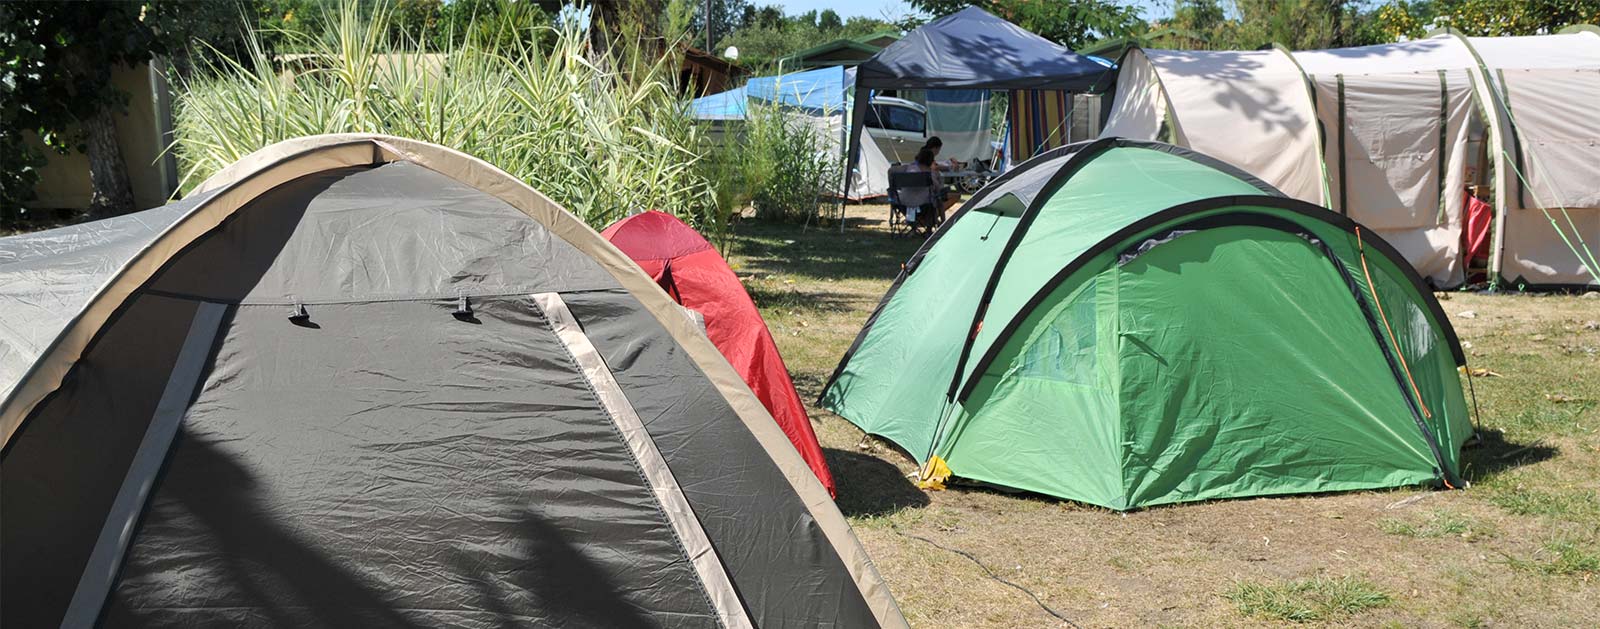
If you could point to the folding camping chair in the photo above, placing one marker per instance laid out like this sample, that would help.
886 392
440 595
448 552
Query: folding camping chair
914 186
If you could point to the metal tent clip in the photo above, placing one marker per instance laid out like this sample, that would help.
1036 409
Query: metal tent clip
463 311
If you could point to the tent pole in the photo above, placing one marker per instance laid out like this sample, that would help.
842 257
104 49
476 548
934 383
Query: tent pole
858 111
844 176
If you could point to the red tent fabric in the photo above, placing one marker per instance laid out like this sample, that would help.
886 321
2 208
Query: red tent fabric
1476 235
697 277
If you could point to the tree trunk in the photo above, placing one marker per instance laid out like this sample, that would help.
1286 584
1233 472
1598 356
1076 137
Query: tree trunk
112 194
611 22
605 20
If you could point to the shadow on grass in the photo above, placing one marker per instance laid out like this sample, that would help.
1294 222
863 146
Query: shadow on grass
1494 455
809 383
822 253
870 486
788 298
878 219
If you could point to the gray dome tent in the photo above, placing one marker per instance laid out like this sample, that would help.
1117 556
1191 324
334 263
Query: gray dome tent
361 380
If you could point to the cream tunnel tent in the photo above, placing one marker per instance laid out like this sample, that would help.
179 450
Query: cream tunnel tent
361 380
1397 119
1250 109
1398 132
1128 324
1547 176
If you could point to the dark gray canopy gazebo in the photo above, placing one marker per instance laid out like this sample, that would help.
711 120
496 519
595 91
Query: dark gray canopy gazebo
971 49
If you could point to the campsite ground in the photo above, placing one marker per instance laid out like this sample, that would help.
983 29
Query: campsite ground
1520 548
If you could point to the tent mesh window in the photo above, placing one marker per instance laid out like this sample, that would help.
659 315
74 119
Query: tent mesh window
1065 350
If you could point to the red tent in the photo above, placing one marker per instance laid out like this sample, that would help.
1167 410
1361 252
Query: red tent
695 275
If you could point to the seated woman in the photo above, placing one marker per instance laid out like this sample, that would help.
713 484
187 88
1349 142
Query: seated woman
919 201
947 198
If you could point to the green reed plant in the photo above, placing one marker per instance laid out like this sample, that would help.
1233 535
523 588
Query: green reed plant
603 132
779 161
791 164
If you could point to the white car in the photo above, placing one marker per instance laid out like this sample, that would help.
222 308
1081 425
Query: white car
899 126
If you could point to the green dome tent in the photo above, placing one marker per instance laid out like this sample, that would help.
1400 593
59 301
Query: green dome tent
1128 323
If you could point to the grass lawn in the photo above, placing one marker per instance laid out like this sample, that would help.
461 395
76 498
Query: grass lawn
1520 548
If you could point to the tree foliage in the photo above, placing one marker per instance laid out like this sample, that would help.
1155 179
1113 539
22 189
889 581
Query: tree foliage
1251 24
1398 20
1310 24
1411 19
686 19
765 34
1297 24
293 26
1071 23
1509 17
56 65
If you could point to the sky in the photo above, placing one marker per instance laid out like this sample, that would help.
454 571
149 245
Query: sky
896 8
845 8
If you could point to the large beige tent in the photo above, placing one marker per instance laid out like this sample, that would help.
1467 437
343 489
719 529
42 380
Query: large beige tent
1396 121
1545 89
1393 135
1250 109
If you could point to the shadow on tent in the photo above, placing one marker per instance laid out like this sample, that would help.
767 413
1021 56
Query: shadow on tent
279 573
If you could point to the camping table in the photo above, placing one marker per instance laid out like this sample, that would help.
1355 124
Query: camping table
967 179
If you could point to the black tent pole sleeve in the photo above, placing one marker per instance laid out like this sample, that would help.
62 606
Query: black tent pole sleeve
1444 155
1343 179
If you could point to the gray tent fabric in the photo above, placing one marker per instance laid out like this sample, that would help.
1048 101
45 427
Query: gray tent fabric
47 276
394 458
970 49
398 231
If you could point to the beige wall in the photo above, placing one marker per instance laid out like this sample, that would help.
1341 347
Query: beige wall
64 180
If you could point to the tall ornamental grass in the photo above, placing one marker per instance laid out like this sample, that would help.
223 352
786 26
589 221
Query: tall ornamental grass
604 133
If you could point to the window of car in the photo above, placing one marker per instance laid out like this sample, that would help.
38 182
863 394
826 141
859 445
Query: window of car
904 119
875 117
896 118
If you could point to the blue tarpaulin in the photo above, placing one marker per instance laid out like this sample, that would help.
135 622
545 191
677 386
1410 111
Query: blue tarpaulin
727 105
820 92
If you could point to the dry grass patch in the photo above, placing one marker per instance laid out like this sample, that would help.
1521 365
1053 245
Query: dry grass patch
1563 556
1440 523
1307 600
1564 504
